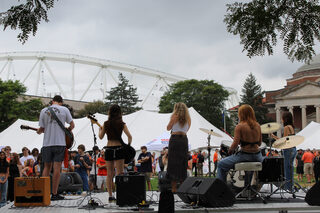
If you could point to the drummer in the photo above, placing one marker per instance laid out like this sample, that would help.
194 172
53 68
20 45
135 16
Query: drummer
248 134
290 153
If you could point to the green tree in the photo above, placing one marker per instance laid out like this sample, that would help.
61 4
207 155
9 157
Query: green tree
260 23
125 95
252 94
91 108
205 96
11 108
26 17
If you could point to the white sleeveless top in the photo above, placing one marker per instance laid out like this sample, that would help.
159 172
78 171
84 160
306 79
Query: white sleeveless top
177 128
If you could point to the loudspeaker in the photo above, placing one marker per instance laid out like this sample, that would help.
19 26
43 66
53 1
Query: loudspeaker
207 192
164 183
131 189
32 191
312 196
70 182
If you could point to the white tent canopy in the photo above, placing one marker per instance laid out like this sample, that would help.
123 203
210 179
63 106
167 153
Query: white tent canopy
311 135
143 125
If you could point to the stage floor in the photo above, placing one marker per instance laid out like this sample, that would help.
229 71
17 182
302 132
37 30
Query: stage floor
80 203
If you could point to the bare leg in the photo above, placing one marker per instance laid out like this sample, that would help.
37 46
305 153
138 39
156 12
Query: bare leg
119 164
174 186
56 177
110 172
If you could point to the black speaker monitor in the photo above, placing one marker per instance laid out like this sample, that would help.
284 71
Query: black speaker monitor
131 189
207 192
312 196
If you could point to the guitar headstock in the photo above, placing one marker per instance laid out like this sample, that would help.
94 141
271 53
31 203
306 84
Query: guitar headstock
94 120
25 127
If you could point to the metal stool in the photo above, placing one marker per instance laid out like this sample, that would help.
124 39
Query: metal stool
249 167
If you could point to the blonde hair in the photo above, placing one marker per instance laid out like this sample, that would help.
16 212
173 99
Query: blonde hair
246 114
182 112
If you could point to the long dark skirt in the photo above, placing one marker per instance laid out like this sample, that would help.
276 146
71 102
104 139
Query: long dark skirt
178 157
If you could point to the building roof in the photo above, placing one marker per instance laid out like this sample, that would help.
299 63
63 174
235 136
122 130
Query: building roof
313 64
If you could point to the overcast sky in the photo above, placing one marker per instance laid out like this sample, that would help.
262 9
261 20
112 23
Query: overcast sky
182 37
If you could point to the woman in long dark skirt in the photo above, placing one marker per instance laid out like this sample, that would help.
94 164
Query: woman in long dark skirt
179 125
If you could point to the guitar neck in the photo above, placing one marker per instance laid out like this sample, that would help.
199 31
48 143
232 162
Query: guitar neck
28 127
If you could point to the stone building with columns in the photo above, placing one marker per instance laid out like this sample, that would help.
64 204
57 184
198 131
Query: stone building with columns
301 96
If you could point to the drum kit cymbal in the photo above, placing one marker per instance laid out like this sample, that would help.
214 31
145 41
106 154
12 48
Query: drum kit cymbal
284 142
210 132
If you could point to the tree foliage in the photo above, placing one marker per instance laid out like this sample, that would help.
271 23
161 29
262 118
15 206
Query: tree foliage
26 17
125 95
252 94
260 23
94 107
205 96
11 108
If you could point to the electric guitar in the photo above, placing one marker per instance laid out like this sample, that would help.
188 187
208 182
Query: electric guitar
69 141
130 152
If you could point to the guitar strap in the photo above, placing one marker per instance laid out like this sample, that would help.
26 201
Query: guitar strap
59 123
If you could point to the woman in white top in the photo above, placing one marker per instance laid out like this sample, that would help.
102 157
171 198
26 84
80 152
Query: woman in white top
179 125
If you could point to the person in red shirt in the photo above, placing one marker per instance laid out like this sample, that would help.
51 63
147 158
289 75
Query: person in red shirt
215 161
102 171
307 159
194 163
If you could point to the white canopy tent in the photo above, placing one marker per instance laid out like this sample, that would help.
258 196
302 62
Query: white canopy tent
143 125
311 135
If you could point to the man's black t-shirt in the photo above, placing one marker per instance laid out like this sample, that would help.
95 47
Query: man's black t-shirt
145 166
201 158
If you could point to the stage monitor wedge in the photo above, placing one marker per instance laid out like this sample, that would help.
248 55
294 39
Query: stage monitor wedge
207 192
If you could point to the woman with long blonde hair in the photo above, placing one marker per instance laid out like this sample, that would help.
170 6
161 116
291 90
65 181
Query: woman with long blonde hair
179 125
247 134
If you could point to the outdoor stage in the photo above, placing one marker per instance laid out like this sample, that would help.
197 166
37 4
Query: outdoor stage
79 204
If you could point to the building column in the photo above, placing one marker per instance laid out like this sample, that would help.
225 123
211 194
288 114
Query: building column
278 119
317 113
303 116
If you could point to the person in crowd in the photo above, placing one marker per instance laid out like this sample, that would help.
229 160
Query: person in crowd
307 159
215 161
94 169
179 125
8 153
165 159
145 159
71 161
35 154
114 152
316 166
26 156
200 163
189 168
4 174
37 166
15 169
54 141
161 166
290 153
82 164
102 171
247 134
299 163
27 171
194 163
154 163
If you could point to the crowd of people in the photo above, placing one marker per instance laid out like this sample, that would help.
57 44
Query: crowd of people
97 170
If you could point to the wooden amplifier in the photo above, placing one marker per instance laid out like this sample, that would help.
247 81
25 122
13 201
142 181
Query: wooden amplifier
32 191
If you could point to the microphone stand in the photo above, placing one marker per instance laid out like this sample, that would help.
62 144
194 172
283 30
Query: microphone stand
94 157
209 156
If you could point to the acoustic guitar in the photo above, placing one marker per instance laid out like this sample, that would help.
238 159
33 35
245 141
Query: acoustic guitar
129 151
69 141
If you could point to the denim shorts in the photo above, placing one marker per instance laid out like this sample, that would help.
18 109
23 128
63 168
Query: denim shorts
52 153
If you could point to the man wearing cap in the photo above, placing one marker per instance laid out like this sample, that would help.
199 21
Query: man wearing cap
54 141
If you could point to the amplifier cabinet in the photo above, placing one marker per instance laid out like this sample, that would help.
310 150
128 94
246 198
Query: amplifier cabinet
32 191
131 189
